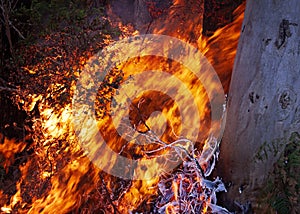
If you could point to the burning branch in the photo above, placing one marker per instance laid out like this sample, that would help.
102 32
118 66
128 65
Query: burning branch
187 190
190 191
108 194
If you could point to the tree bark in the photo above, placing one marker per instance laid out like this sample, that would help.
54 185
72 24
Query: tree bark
264 96
141 14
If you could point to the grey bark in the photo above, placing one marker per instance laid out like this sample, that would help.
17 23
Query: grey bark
141 14
264 96
132 11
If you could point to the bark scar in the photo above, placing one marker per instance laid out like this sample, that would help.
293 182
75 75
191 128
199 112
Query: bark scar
284 32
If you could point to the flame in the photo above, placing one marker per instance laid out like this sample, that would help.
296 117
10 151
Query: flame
175 190
16 199
8 149
66 178
224 42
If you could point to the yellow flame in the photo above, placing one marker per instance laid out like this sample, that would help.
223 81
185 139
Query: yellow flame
67 183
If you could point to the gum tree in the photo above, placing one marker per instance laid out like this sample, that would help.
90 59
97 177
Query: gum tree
264 96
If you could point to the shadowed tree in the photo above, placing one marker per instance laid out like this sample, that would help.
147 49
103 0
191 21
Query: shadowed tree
264 96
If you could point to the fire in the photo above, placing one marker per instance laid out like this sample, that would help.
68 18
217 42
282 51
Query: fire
66 179
224 41
17 200
8 149
175 190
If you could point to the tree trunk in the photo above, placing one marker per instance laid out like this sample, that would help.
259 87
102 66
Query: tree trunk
264 96
141 14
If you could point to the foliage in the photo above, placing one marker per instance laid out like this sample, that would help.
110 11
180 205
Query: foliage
281 194
44 17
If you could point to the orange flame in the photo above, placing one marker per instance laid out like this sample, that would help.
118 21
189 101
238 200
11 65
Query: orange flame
8 149
72 177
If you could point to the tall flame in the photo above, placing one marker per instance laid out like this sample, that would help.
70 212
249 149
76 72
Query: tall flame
63 179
